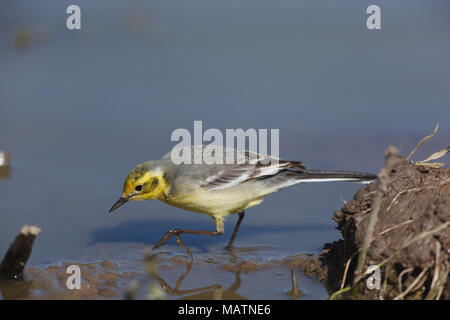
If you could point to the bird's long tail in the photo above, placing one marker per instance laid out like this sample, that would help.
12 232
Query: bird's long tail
335 175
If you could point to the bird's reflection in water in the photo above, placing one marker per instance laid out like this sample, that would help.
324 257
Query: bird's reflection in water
213 291
217 291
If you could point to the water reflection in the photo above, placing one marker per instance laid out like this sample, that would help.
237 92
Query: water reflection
228 263
227 276
214 291
295 292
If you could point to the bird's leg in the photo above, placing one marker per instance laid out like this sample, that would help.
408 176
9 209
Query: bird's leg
184 246
176 232
236 228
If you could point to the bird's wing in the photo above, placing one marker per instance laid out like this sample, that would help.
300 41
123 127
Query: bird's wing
232 175
248 166
218 153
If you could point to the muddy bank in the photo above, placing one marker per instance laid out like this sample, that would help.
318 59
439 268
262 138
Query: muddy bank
410 243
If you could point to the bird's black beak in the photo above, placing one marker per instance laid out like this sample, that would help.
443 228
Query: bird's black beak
119 202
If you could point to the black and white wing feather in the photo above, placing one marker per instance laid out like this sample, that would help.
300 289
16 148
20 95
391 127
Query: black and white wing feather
249 166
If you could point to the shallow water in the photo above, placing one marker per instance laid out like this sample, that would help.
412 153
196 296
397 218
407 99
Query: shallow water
79 109
257 272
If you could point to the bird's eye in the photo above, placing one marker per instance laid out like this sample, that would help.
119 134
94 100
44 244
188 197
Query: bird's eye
138 188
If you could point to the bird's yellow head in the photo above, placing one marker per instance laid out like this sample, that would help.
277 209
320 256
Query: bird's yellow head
145 182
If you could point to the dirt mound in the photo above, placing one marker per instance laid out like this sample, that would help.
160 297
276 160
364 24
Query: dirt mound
409 247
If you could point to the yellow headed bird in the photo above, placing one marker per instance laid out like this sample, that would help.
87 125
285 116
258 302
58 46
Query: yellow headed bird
220 188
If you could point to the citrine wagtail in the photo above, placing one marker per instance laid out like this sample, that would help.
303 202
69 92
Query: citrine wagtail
219 190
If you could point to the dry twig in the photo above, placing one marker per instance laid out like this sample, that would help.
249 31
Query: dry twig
383 178
413 284
421 142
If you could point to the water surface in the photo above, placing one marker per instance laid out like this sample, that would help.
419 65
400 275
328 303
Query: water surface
79 109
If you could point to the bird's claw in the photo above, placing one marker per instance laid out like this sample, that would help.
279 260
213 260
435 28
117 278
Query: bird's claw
167 236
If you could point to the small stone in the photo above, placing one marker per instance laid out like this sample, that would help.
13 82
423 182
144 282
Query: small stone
109 265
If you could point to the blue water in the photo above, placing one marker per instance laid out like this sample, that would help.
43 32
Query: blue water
79 109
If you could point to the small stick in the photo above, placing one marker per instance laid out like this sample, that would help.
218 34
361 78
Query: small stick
443 280
404 293
346 270
338 293
383 178
421 142
436 277
400 285
399 194
18 253
395 227
416 189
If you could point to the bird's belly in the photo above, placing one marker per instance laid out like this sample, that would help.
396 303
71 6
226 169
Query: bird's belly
214 203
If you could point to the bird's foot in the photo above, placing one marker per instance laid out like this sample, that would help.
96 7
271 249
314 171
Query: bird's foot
184 246
168 235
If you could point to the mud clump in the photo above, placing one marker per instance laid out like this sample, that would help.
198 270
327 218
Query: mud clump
410 243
